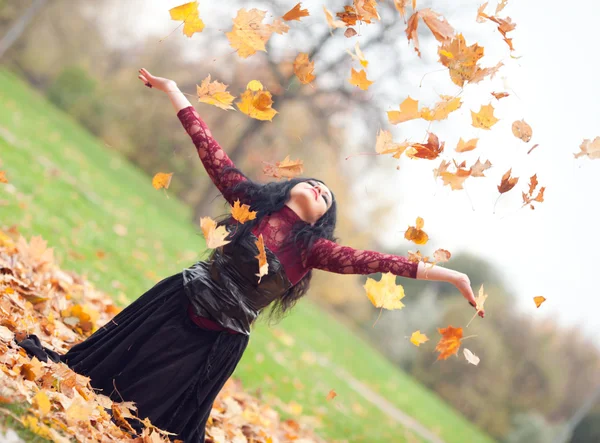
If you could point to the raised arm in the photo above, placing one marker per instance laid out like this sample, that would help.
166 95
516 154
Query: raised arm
213 157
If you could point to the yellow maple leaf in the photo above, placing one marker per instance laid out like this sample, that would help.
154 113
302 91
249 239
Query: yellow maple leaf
484 118
455 179
189 14
263 264
286 168
538 300
256 103
409 110
359 78
358 55
295 13
214 93
303 68
417 338
385 293
442 109
161 180
460 59
248 33
215 236
242 213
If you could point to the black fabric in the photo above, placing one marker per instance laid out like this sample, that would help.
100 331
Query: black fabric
34 348
226 288
152 353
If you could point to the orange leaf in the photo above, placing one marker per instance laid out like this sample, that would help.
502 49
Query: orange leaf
442 109
249 34
366 10
331 395
285 168
409 110
539 300
431 150
466 146
416 233
263 265
359 78
478 168
455 179
500 95
449 344
438 25
484 118
214 93
188 13
242 213
161 180
528 198
507 183
385 144
3 178
256 103
589 148
330 21
303 68
295 13
522 130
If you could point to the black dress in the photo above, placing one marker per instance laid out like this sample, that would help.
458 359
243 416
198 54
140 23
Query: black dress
153 354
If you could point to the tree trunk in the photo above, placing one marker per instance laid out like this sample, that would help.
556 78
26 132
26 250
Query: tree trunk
16 30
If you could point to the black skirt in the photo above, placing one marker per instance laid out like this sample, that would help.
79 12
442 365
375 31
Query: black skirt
153 354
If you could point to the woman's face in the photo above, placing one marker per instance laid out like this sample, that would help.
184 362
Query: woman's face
312 200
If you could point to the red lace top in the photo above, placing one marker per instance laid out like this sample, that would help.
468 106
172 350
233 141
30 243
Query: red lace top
324 254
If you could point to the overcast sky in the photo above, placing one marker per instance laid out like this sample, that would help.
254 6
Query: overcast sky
554 86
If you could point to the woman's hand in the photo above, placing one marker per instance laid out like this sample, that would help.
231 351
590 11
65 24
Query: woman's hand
160 83
463 284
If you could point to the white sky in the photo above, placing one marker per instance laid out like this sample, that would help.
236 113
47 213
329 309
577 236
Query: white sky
549 251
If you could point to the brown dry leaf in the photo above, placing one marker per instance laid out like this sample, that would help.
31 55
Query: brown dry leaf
256 103
522 130
478 168
188 13
479 302
215 236
242 213
303 68
431 150
162 180
411 31
528 198
214 93
401 7
441 29
366 10
449 344
455 179
350 32
507 183
349 16
484 119
331 395
359 56
417 338
499 95
286 168
385 293
385 145
538 300
461 60
443 167
409 110
589 148
470 357
330 21
416 257
532 148
416 233
359 78
295 13
248 33
466 146
263 264
3 178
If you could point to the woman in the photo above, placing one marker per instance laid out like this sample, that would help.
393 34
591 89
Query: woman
172 350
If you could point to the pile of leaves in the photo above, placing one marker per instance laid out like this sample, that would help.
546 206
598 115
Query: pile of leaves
62 309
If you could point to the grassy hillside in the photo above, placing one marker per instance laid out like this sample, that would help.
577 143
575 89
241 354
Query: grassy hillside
105 220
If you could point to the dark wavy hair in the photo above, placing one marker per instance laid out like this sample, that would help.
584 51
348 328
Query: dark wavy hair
268 198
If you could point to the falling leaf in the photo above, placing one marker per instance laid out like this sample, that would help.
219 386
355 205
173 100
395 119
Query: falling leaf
256 103
3 178
479 302
249 34
295 13
441 255
466 146
350 32
416 233
417 338
507 183
442 109
478 168
303 68
214 93
484 118
449 344
242 213
331 395
286 168
528 198
366 10
589 148
499 95
385 293
522 130
385 145
189 14
532 148
215 236
443 167
359 56
409 110
539 300
429 151
330 21
359 78
455 179
161 180
263 264
470 357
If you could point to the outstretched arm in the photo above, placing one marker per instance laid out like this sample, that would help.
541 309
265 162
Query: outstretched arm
329 256
213 157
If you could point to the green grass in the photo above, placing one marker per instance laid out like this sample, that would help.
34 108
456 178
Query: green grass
66 186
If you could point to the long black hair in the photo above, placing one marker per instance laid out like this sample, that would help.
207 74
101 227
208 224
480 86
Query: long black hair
268 198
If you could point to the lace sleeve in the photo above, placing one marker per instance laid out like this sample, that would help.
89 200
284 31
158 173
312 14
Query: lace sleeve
212 155
329 256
